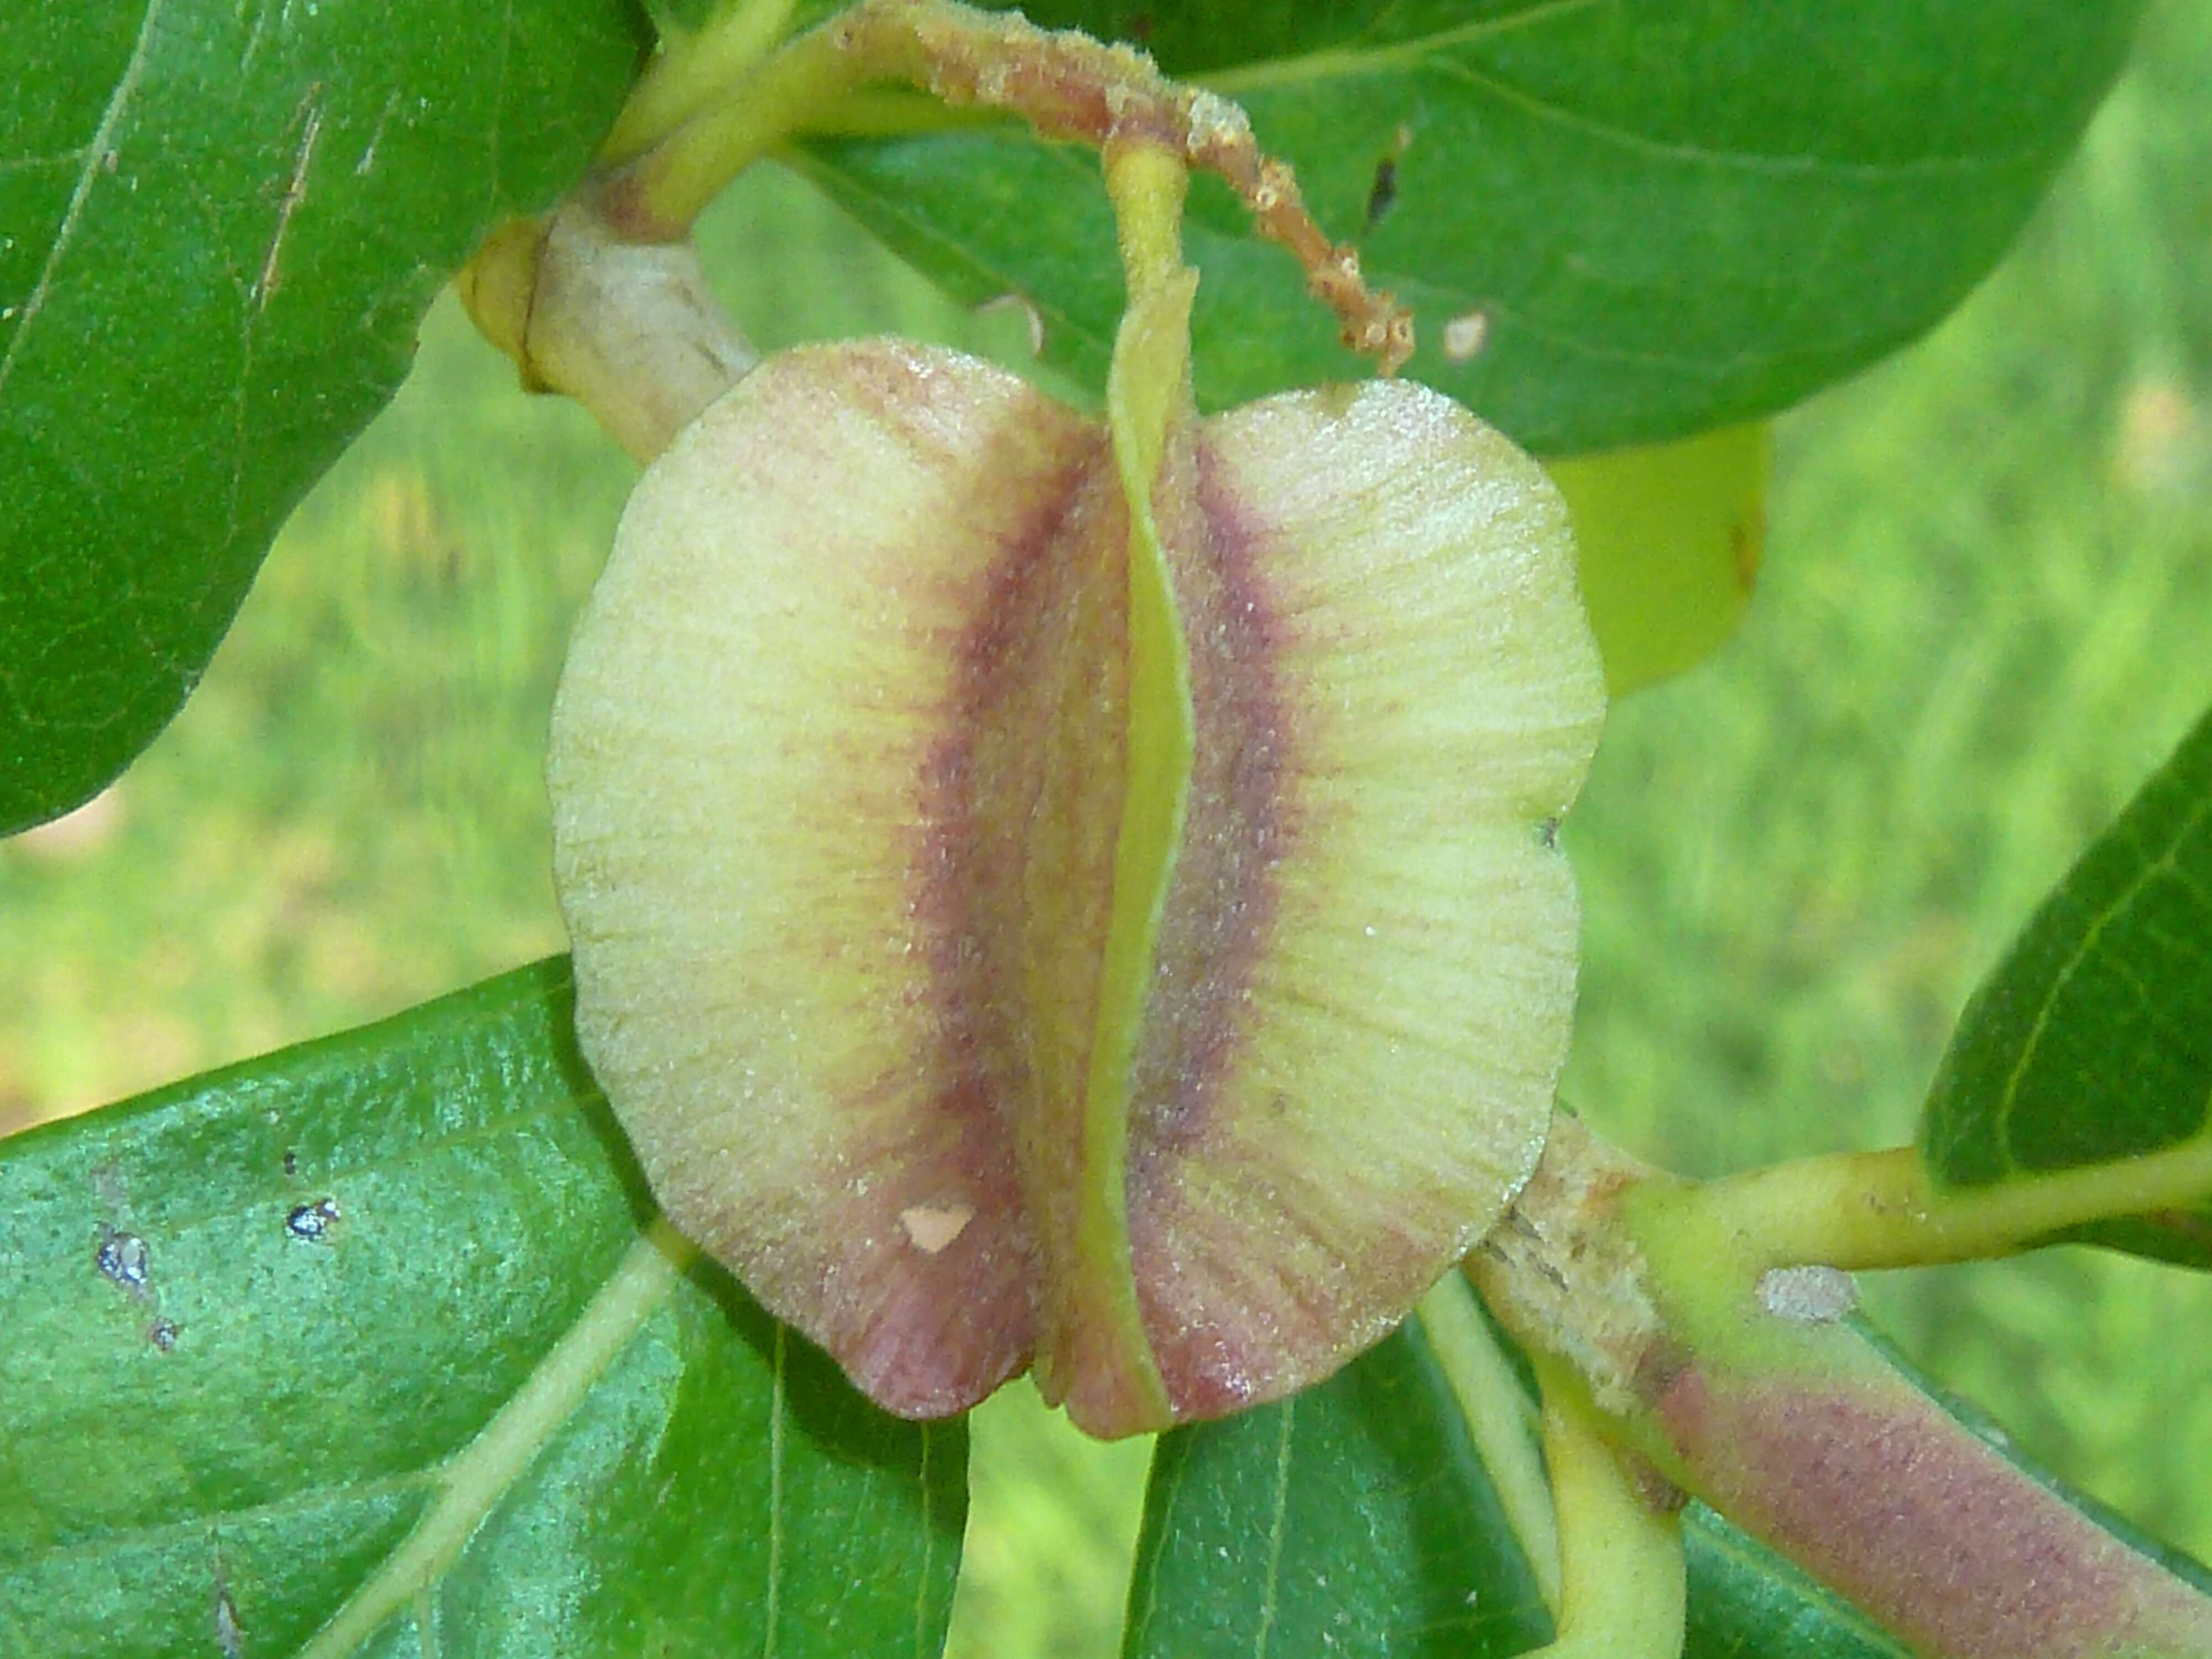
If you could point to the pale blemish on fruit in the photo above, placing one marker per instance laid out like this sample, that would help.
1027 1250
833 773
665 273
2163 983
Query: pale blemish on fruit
932 1227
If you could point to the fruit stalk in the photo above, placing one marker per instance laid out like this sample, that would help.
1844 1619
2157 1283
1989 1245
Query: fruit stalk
627 330
1065 85
1752 1390
603 299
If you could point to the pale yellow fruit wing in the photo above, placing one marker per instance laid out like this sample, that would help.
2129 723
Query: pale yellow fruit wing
1366 969
836 768
1037 897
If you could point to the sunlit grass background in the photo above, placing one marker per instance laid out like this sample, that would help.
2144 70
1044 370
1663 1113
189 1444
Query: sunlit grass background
1986 614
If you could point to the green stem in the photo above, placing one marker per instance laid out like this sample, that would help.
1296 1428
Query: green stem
690 73
1623 1587
715 111
659 192
1869 1210
1500 1420
1774 1410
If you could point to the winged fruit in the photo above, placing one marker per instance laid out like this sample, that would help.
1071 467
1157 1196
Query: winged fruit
1075 893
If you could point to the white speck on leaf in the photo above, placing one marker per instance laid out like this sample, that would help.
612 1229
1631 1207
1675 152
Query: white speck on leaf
1464 335
228 1634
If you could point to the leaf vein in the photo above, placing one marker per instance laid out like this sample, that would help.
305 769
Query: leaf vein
1754 161
1268 1591
498 108
1175 1449
95 156
478 1475
1386 53
253 39
773 1607
2164 865
43 163
928 1545
154 1534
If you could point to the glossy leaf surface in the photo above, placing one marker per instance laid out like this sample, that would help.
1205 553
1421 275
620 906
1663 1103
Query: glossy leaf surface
2092 1042
220 224
365 1340
1595 191
1358 1518
1745 1602
1354 1518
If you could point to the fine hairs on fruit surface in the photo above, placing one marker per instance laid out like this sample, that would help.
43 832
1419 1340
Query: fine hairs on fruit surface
1079 894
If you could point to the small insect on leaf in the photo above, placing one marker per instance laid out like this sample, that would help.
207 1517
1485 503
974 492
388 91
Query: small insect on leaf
121 1257
312 1221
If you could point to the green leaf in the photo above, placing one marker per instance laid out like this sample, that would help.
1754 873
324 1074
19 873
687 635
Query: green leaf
1746 1602
1666 215
1352 1518
372 1337
2092 1042
1358 1518
1668 542
219 223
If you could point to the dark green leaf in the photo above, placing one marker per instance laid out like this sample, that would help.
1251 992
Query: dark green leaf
2092 1040
288 1340
1671 214
220 222
1356 1518
1352 1518
1746 1602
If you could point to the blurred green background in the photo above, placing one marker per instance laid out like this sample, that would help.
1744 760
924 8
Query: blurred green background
1986 614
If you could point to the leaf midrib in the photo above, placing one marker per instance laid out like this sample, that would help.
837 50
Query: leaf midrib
96 154
2164 863
474 1477
1431 52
